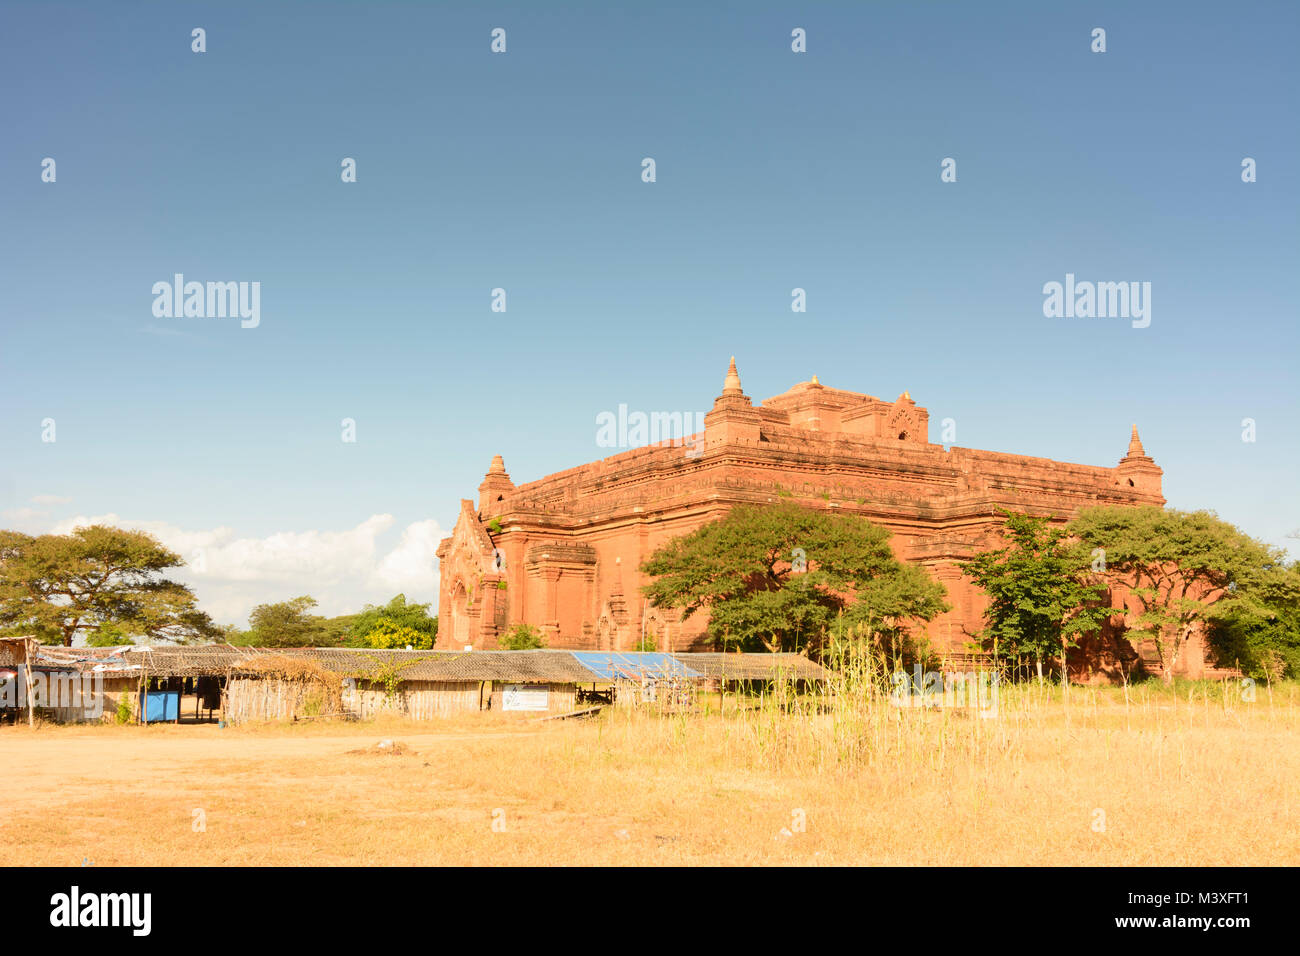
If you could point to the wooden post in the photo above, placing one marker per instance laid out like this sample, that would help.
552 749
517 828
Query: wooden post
27 672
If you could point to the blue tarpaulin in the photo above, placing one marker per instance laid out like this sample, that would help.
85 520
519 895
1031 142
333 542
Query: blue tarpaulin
635 665
161 705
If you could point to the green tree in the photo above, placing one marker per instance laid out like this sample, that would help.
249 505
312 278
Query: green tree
1261 632
883 610
285 624
521 637
1042 595
231 634
776 577
396 613
108 634
337 631
55 587
1185 569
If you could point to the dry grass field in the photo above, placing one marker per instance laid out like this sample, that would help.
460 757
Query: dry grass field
1192 775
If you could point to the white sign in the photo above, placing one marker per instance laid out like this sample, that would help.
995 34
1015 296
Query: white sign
525 697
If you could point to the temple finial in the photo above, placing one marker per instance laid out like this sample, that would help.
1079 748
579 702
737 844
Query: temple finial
731 385
1135 449
498 466
815 380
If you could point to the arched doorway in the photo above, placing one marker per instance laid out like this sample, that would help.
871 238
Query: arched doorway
604 634
655 631
460 617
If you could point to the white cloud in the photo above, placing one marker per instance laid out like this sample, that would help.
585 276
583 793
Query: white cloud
22 514
50 500
342 570
408 566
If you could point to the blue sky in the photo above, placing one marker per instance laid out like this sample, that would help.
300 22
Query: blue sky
522 171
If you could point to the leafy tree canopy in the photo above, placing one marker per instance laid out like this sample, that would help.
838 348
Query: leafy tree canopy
777 576
284 624
54 587
1184 568
1042 593
108 635
396 613
1260 633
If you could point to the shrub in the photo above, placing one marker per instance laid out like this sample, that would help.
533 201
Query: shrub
521 637
390 635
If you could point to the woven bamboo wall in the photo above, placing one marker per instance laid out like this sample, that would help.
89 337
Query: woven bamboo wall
252 699
248 699
88 700
417 699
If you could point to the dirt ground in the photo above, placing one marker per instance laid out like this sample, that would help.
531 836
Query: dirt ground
1164 782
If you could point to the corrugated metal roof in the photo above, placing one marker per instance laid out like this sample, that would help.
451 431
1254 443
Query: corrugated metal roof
632 665
752 666
106 661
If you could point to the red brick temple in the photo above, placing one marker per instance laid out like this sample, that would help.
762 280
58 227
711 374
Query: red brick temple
561 553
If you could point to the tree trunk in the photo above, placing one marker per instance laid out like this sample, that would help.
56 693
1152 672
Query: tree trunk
1173 655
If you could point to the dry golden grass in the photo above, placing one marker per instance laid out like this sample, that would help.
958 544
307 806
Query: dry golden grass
1205 779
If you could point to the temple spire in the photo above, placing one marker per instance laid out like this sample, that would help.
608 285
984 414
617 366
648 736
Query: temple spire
733 417
731 385
494 488
1135 449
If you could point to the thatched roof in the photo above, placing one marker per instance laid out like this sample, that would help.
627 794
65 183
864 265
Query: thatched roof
13 650
220 659
524 667
539 666
365 662
167 660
